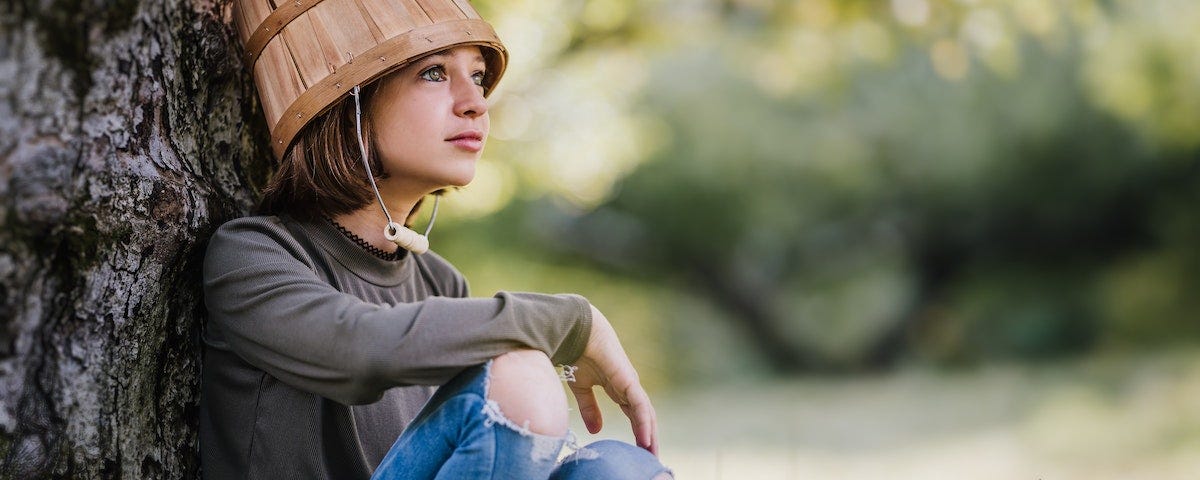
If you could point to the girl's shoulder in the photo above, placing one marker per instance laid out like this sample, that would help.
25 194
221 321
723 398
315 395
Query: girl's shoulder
254 231
254 240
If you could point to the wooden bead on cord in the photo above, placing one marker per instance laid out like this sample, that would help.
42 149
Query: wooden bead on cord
406 238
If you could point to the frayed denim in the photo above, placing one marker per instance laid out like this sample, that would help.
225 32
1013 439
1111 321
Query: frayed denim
460 434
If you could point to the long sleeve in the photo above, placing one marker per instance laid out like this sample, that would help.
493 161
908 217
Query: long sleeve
273 310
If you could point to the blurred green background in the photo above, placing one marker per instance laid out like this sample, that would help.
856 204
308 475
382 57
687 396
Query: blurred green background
864 239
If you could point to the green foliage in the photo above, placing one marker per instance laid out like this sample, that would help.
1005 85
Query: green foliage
861 210
853 184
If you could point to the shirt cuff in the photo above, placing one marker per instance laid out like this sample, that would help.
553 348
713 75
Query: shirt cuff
572 348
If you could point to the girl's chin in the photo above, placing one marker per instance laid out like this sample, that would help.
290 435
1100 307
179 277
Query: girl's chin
443 187
462 180
436 180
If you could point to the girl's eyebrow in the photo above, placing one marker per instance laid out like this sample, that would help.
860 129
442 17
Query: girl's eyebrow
434 57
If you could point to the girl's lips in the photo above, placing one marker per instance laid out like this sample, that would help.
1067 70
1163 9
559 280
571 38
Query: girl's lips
469 144
469 141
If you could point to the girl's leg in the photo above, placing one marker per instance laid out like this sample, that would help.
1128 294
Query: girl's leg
504 419
611 459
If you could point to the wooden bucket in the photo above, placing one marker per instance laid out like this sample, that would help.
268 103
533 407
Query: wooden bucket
307 54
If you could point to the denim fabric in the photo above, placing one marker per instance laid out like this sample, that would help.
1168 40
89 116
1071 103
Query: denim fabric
607 459
460 434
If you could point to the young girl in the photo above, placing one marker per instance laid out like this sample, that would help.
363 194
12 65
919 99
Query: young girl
327 343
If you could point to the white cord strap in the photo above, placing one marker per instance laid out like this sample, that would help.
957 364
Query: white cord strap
402 236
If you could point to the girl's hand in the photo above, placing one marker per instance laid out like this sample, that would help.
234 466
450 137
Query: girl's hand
605 364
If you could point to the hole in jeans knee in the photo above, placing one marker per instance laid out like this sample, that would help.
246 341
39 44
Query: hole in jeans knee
543 447
526 388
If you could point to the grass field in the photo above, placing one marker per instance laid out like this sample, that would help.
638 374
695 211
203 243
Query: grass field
1117 416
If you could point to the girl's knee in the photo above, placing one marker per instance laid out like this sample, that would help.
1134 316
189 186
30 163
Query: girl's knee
525 386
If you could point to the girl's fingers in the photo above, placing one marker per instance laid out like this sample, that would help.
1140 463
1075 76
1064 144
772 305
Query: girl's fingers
654 446
642 417
589 409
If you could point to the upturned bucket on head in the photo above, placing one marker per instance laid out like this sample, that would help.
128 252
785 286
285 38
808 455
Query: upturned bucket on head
307 54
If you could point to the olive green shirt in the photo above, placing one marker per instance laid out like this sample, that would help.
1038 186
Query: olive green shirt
318 354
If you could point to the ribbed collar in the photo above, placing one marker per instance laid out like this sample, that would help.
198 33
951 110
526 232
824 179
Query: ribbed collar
358 261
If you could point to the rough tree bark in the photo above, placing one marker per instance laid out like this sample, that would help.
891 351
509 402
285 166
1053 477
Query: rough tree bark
127 134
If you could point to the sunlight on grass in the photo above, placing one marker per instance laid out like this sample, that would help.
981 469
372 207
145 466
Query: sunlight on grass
1107 417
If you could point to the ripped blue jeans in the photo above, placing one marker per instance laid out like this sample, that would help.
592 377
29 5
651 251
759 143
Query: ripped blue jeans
460 434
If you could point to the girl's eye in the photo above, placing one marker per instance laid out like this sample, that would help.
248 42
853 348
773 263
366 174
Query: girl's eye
437 73
434 74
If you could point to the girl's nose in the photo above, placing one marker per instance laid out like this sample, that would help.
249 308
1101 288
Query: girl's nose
468 98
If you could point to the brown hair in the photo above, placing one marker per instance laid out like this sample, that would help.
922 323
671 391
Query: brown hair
322 174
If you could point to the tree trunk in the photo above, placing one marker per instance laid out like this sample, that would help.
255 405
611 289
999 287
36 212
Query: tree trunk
128 132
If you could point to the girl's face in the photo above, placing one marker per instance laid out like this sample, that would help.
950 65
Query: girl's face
430 121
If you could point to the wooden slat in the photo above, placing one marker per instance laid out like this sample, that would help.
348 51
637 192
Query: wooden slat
392 18
278 83
334 56
416 13
345 29
439 11
364 12
303 44
468 11
253 13
239 22
266 30
257 11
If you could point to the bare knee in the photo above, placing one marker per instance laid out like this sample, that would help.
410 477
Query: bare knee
527 389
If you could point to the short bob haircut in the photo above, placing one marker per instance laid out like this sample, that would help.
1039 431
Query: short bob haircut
322 174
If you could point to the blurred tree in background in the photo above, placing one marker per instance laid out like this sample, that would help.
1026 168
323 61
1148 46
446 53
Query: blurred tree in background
849 184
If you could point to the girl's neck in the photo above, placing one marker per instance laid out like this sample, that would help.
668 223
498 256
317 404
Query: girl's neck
368 222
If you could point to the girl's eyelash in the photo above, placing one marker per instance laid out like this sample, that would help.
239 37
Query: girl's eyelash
482 74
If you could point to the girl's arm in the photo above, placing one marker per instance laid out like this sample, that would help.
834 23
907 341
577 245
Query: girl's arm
270 308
